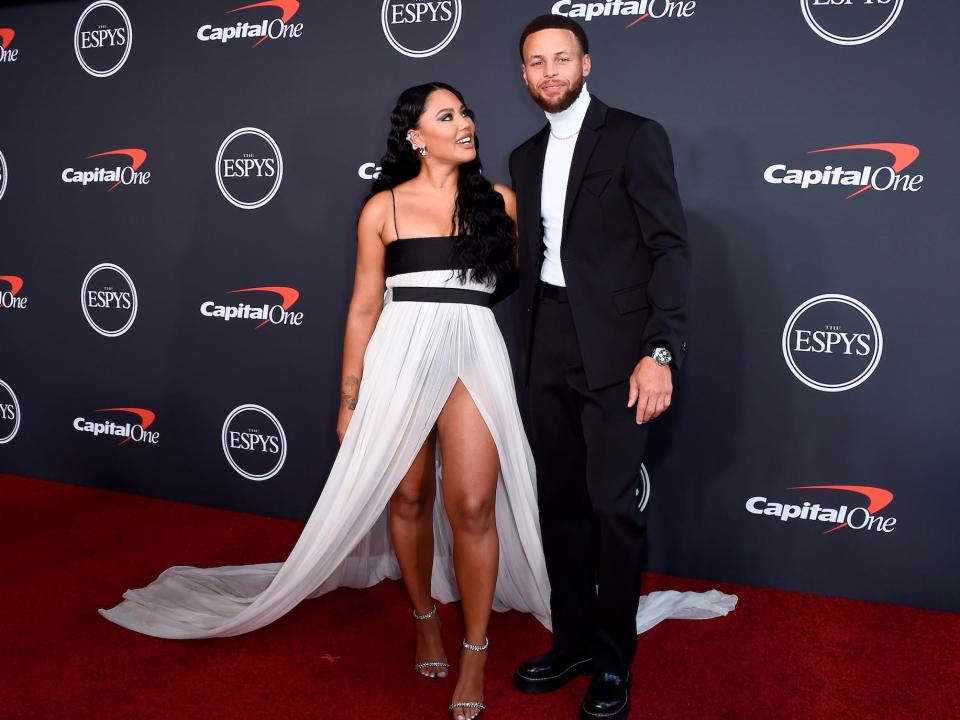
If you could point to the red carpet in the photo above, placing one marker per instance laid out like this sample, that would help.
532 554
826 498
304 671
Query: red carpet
65 551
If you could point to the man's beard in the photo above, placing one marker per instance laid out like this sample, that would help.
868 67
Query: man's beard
561 103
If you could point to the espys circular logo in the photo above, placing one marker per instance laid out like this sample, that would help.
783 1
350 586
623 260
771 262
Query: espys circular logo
420 29
249 168
643 491
9 413
103 38
832 343
109 299
850 22
3 175
254 442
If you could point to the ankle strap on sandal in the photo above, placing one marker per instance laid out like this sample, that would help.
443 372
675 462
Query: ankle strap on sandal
426 615
477 648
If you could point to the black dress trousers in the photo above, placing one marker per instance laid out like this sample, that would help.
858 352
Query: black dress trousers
588 449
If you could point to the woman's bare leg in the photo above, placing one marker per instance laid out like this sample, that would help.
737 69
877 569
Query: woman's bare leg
411 527
470 469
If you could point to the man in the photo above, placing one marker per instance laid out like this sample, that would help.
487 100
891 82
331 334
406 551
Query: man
604 273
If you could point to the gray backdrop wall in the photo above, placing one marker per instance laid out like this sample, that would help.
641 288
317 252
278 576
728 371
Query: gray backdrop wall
168 176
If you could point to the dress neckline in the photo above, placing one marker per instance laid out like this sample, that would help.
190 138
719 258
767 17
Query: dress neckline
422 237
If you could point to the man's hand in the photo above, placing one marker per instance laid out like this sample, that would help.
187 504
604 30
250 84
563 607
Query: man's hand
651 387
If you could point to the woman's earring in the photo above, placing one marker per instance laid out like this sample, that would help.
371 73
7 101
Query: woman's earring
421 150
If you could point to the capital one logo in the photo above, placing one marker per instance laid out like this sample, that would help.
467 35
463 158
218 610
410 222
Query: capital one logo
272 28
249 168
850 22
420 29
858 518
6 38
10 297
369 171
109 299
639 11
254 442
832 343
130 431
102 38
9 413
873 174
116 174
3 175
268 313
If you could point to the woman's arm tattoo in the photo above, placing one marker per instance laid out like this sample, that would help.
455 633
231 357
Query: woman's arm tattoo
349 399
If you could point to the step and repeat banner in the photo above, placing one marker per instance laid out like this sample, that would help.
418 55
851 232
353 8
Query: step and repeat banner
180 183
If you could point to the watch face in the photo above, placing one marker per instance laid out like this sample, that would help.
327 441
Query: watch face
662 356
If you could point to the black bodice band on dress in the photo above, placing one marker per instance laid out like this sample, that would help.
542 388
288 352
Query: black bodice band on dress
428 253
418 255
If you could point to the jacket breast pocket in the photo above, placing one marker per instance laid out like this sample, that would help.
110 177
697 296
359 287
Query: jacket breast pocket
631 299
596 182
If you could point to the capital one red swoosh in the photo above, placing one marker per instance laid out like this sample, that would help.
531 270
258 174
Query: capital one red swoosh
288 295
288 9
15 283
146 417
6 37
903 156
136 155
879 497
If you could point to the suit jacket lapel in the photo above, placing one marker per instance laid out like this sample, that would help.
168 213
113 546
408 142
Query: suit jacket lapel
593 121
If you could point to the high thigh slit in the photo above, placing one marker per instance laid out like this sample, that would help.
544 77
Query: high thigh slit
412 362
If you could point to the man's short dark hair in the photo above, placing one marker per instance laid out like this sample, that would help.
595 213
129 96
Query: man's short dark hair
554 22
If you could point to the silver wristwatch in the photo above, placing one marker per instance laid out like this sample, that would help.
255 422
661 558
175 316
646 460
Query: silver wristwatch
661 356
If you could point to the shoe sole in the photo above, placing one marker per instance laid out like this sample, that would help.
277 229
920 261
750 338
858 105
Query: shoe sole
533 686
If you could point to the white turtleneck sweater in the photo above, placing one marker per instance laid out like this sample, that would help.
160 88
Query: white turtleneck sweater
564 130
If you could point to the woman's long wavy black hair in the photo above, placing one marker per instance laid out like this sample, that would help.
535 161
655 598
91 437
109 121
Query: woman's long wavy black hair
485 234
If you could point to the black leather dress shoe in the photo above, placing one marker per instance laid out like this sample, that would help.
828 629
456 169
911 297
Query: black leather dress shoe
551 671
608 698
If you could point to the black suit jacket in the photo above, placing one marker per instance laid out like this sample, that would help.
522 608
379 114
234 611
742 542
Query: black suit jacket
624 248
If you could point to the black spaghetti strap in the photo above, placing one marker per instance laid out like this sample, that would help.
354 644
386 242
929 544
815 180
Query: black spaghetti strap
394 201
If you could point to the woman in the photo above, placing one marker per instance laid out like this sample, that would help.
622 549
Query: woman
434 479
453 219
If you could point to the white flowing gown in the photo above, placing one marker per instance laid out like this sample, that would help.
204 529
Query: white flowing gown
412 362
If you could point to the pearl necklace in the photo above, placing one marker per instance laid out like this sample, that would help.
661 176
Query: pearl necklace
564 137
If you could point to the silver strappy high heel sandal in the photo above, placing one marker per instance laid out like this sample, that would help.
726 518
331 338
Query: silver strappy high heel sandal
472 704
435 665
